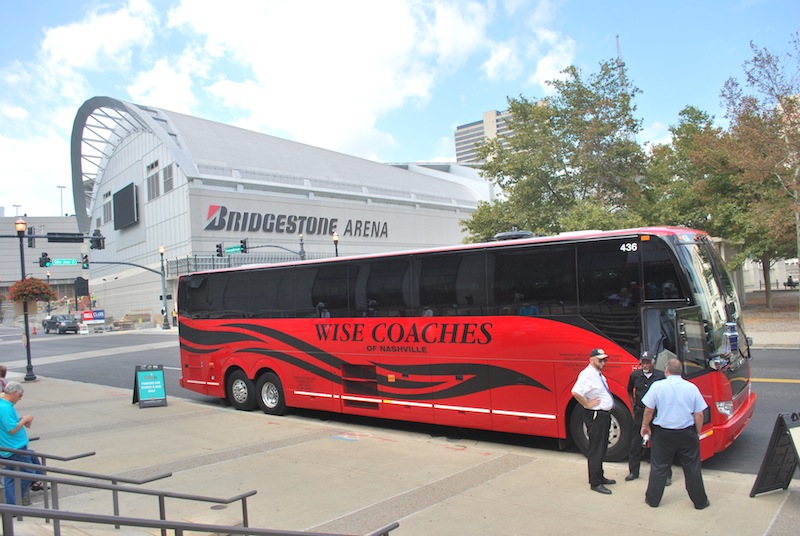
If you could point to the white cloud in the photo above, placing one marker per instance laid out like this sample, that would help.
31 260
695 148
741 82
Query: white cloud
503 62
35 165
326 77
656 133
560 52
102 40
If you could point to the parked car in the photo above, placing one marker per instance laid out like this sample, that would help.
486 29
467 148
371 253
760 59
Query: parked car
60 324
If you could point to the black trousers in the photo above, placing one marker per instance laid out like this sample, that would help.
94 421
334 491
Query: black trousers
635 454
637 448
598 424
665 445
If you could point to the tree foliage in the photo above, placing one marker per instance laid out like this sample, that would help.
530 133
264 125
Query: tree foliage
571 162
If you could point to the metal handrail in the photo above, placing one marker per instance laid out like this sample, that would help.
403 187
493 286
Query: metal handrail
44 457
162 495
8 511
44 469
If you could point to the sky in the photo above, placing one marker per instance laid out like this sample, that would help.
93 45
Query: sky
387 80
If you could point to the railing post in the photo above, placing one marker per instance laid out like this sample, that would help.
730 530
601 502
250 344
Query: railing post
8 524
115 501
244 512
56 521
162 511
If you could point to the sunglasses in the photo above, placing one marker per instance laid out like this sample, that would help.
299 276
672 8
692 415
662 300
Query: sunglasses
602 359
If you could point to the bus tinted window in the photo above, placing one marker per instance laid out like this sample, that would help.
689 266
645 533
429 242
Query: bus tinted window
331 288
452 284
383 288
661 279
542 277
608 283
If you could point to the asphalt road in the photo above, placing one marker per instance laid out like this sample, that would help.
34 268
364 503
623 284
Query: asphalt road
110 359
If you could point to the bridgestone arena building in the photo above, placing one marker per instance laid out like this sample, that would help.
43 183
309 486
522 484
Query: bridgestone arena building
166 187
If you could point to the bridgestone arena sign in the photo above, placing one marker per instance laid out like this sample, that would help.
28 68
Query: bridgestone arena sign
222 219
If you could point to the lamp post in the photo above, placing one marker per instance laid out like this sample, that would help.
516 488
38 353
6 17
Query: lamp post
163 288
20 226
336 242
48 284
302 251
61 189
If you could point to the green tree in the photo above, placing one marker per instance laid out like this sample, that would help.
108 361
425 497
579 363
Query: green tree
765 146
571 161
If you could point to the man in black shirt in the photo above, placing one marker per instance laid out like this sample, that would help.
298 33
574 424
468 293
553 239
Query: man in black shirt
639 382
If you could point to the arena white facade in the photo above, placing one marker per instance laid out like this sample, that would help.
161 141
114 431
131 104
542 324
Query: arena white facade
147 178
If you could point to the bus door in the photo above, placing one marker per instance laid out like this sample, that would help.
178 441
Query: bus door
692 340
669 332
659 338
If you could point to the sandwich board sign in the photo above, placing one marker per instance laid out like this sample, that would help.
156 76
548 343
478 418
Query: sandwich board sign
781 459
148 387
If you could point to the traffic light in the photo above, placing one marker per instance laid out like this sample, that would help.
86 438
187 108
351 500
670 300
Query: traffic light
85 265
44 261
97 241
219 250
243 243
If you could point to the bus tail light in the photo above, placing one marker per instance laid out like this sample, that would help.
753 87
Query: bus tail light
725 407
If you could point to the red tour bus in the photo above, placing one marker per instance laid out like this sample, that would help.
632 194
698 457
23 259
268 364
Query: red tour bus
489 336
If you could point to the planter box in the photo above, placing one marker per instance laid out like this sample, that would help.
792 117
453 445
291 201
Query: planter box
33 308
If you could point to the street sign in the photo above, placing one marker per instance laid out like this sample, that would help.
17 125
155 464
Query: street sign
63 262
233 249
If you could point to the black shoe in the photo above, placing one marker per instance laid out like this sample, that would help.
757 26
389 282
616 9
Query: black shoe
651 505
632 476
669 481
601 489
608 481
708 503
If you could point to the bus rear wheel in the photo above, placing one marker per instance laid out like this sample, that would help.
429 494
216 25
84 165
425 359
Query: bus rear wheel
241 391
619 435
270 394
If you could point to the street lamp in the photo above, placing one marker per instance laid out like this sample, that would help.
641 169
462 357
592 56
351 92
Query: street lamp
48 284
163 288
302 251
20 226
336 242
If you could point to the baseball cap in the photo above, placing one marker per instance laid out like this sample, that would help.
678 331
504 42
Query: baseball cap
599 353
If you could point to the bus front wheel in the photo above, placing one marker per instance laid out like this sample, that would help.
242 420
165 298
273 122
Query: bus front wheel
241 391
619 435
270 394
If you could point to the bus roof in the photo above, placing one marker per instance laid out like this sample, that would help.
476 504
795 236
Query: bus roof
571 236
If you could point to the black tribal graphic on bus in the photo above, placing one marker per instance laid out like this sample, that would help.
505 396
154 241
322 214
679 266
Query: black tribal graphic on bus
418 382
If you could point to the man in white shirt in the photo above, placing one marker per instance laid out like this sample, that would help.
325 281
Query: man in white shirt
675 431
591 392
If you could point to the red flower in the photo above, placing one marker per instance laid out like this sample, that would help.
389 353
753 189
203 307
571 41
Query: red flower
31 289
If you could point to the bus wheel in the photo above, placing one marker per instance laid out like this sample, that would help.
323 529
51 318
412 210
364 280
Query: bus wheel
270 394
241 391
619 435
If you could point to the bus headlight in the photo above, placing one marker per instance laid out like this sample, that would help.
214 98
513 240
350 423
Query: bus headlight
725 407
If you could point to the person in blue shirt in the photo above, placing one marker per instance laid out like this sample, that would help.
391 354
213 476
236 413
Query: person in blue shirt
14 435
678 409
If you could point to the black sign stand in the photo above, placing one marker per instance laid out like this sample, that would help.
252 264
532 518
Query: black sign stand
148 386
781 458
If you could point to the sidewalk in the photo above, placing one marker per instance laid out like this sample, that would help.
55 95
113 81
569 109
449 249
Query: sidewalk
775 339
327 475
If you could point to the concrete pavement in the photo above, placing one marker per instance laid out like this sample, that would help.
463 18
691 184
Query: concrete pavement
333 476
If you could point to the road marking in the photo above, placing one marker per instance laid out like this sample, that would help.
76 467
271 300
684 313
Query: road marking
774 380
20 363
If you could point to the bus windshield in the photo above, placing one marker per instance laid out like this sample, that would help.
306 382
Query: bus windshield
714 292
